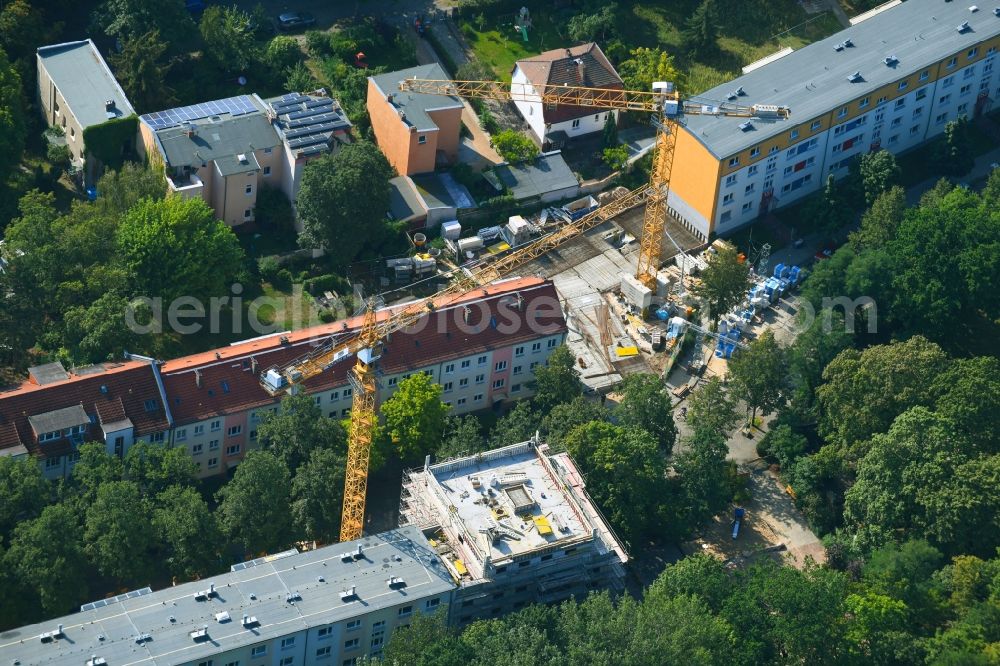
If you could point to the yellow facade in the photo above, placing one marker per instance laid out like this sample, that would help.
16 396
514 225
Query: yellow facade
695 175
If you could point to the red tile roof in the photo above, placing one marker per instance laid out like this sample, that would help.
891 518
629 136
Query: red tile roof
229 383
129 384
559 67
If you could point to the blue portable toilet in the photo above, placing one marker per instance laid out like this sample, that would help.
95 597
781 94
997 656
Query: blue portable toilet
778 270
91 193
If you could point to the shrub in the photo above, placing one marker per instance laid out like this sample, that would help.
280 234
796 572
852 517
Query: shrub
326 316
283 278
321 283
615 158
318 43
514 146
268 268
274 209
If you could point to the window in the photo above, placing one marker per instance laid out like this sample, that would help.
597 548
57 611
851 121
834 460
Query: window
924 74
965 90
345 411
267 151
253 434
378 627
536 346
432 603
597 117
258 651
216 425
902 84
734 161
747 206
973 52
196 449
286 661
481 360
900 103
232 450
842 112
205 663
515 388
480 379
422 139
460 402
914 129
199 430
182 434
287 642
796 184
893 139
232 663
450 368
353 661
752 171
323 652
519 351
51 463
748 189
731 180
793 135
213 445
267 171
500 366
881 100
378 641
447 387
552 343
947 82
728 199
815 126
156 437
150 405
249 189
969 73
952 62
351 644
405 611
921 94
466 364
213 462
896 122
944 99
234 430
863 103
498 384
963 109
348 392
517 369
754 152
72 132
988 66
532 366
772 150
464 381
353 625
477 398
575 124
990 51
917 112
726 216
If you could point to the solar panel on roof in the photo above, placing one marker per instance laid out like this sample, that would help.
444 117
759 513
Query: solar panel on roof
171 117
318 102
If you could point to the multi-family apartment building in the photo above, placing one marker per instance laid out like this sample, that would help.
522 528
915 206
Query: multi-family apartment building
514 526
892 80
76 90
325 607
483 349
225 150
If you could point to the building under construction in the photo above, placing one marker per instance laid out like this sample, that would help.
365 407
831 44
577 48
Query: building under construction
514 526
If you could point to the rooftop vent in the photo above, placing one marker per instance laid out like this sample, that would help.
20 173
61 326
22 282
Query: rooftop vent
349 594
143 638
963 27
96 661
973 9
199 635
205 595
223 617
848 43
242 158
292 597
395 582
855 77
996 11
890 60
250 621
50 636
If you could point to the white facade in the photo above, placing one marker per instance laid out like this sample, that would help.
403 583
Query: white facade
529 105
895 125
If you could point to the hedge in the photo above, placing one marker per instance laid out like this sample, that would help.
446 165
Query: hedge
105 141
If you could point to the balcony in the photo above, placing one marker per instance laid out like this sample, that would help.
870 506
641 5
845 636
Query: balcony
187 185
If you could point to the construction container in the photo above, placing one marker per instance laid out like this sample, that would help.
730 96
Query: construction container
423 264
517 231
451 230
636 293
470 244
580 207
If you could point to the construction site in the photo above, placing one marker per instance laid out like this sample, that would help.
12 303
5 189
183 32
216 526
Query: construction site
514 526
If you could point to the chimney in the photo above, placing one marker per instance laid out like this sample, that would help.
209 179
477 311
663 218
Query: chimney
253 363
211 588
389 98
579 69
109 105
197 378
358 551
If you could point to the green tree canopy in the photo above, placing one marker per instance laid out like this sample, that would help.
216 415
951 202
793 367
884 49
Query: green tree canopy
13 131
954 156
645 404
701 30
724 282
518 425
188 531
154 467
598 25
879 173
332 213
46 553
255 506
712 409
114 540
759 375
318 494
141 69
557 381
646 65
463 435
299 428
415 417
514 146
563 418
175 247
128 19
228 36
24 492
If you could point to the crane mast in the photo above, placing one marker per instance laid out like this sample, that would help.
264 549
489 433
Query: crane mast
663 102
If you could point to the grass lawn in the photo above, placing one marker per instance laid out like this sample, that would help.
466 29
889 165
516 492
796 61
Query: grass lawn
746 35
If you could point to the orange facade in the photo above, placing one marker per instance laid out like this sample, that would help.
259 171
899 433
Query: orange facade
411 150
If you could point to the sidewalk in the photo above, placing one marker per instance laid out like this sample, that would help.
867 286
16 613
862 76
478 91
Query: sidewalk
980 171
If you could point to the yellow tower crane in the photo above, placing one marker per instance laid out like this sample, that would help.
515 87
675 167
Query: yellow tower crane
663 102
365 345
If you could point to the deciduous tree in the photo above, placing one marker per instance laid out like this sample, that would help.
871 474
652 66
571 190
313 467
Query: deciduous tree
414 417
881 220
141 69
255 506
155 467
463 435
13 131
557 381
647 65
333 214
518 425
759 375
646 405
593 26
188 531
954 156
563 418
24 492
724 282
229 40
712 409
318 495
114 539
514 146
879 173
299 428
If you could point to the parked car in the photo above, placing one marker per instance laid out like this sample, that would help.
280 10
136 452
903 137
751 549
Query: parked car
295 20
824 253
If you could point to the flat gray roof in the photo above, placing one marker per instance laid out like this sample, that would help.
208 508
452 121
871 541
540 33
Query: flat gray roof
814 80
416 105
84 80
170 615
403 200
548 173
440 190
59 419
218 134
